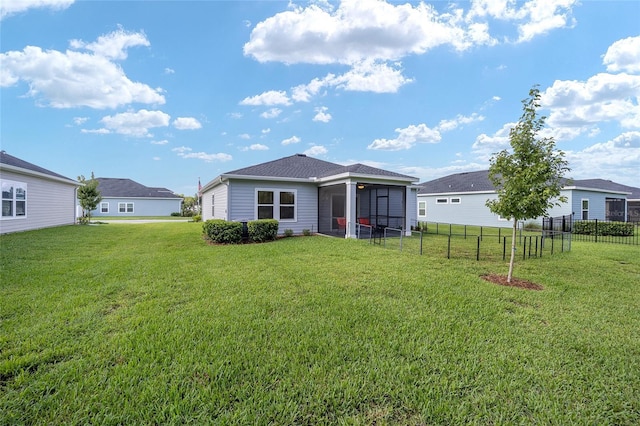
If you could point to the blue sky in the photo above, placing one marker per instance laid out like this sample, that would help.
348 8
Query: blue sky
167 92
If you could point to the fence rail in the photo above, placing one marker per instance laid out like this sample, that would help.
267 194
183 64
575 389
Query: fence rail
595 230
486 244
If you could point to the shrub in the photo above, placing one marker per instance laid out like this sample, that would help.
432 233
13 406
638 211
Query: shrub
288 232
532 226
595 227
176 214
262 230
306 232
222 232
197 218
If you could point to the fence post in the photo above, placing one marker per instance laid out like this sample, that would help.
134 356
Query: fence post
524 249
481 232
541 244
450 229
504 248
465 232
552 238
478 250
596 230
449 248
499 229
537 246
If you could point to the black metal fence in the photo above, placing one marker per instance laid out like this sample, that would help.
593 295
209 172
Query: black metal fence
468 242
595 230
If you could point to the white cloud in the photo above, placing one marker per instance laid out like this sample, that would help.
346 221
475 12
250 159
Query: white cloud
460 120
268 98
96 131
11 7
156 158
136 124
322 115
266 131
315 151
186 123
113 45
245 136
186 152
291 140
623 55
256 147
271 113
355 31
169 71
162 142
74 79
486 145
79 121
370 76
603 97
407 138
617 160
304 92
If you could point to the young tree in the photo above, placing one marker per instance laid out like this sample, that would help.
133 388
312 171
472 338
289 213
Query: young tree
88 195
528 180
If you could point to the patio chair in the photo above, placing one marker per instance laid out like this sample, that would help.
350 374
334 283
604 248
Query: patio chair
342 223
364 221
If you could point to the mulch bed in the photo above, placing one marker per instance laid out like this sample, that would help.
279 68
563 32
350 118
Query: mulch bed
515 282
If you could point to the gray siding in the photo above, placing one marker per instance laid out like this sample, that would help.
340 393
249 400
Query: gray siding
215 208
597 203
242 202
141 206
49 203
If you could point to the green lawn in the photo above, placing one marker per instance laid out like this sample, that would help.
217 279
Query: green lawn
147 324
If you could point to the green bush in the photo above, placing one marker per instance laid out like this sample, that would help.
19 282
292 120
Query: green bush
288 232
222 232
197 218
176 214
262 230
306 232
592 227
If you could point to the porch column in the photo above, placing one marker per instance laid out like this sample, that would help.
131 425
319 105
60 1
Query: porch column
350 210
410 210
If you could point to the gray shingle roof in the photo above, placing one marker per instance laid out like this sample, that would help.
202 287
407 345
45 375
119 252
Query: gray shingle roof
299 166
479 181
295 166
127 188
459 182
10 160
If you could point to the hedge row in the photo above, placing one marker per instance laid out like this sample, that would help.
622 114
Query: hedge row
592 227
224 232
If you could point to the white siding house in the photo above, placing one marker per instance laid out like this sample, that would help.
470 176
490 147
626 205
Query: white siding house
304 193
461 199
125 197
34 197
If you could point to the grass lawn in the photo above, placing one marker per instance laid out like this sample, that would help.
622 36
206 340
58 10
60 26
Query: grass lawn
147 324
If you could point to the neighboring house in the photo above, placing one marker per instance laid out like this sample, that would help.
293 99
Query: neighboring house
306 193
461 199
34 197
124 197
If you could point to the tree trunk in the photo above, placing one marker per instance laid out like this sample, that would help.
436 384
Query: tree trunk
513 250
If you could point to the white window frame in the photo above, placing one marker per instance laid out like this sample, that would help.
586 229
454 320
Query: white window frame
213 205
126 207
276 203
442 201
102 207
455 200
583 210
14 200
422 208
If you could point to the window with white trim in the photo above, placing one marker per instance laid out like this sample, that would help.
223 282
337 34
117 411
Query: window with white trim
422 208
14 199
455 200
276 204
125 207
585 208
442 200
104 207
213 205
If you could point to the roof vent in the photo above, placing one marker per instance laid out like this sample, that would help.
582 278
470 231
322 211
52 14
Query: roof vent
301 155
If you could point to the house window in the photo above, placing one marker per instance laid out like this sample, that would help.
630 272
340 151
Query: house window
585 208
125 207
442 201
422 208
104 207
455 200
213 206
287 206
274 204
14 199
